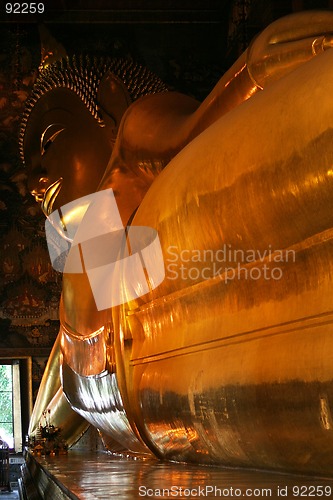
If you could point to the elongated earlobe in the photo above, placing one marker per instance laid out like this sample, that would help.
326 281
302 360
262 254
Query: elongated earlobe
113 99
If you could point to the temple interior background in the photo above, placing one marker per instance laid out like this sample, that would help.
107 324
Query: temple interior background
188 43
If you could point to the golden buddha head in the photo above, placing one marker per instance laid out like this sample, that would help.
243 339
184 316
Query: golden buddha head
71 121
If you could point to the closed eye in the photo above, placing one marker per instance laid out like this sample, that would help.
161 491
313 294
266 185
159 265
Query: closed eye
49 135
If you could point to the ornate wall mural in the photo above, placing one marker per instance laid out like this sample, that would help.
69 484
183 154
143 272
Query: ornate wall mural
29 288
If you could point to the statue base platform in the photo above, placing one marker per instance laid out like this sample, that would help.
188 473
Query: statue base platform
97 475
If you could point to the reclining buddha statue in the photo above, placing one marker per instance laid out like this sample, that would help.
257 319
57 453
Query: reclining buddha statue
225 356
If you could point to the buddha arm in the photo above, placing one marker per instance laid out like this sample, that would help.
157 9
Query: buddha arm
158 126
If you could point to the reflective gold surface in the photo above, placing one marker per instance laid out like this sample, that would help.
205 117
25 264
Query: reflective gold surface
61 414
281 47
232 369
229 360
91 476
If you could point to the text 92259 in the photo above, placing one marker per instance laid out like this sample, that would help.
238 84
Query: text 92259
24 8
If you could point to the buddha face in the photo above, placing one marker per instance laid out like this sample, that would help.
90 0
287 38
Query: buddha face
63 140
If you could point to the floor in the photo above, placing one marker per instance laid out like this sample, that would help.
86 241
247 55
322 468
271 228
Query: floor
9 495
104 477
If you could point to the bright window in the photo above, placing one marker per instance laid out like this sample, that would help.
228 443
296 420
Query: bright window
10 405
